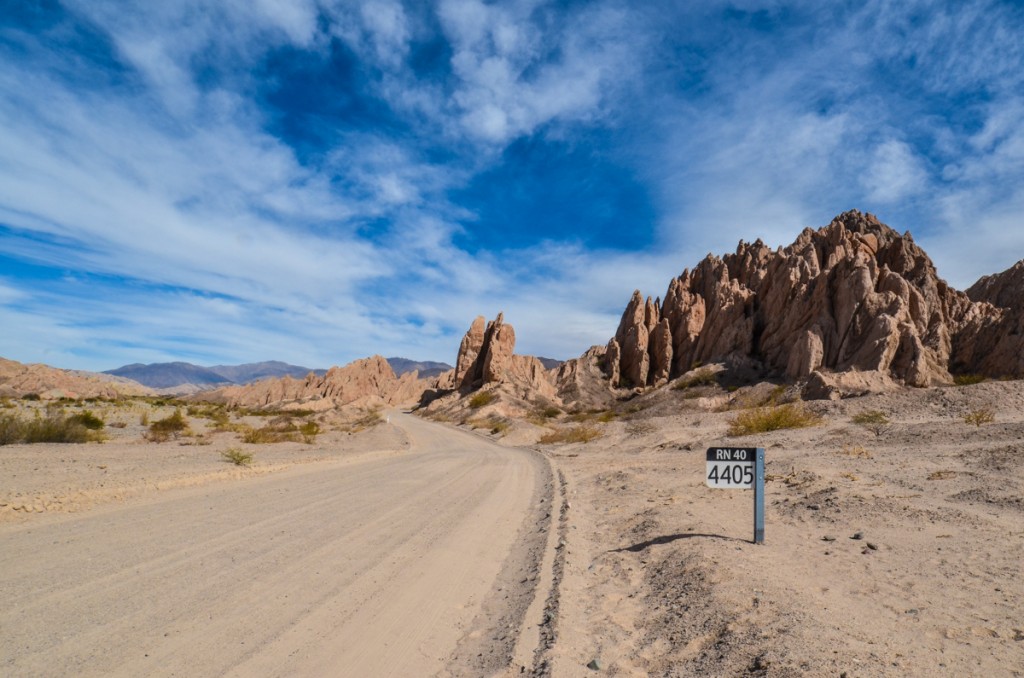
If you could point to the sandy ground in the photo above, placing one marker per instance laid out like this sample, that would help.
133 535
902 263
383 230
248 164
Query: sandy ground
891 555
413 553
896 554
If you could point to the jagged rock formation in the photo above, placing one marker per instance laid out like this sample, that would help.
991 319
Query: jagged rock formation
485 354
18 379
852 296
991 342
370 381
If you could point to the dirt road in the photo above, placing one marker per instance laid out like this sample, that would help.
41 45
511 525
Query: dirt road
393 565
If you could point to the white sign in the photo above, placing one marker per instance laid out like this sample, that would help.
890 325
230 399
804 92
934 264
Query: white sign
731 468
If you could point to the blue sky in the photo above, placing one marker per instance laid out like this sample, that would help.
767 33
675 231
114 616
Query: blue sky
316 181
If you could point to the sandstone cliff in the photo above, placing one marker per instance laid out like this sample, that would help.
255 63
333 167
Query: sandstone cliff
991 342
367 381
18 379
854 296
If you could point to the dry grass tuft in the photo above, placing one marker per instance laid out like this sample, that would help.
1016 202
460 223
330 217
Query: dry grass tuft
480 399
982 415
575 434
765 419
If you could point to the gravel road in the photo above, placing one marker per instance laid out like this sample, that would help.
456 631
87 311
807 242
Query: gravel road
375 567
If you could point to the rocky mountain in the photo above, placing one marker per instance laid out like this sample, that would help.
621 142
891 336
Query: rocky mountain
18 379
250 372
852 307
366 382
169 375
427 369
854 296
188 377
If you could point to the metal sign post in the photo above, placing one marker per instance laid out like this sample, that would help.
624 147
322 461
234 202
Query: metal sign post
740 468
759 496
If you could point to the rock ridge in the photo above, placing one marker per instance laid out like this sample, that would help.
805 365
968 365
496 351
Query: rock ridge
853 296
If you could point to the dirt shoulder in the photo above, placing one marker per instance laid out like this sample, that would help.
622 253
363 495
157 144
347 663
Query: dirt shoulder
886 555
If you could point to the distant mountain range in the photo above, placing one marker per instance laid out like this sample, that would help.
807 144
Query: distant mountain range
171 375
427 368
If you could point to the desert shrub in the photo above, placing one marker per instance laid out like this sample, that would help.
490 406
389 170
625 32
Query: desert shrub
220 420
543 413
31 396
493 424
968 379
982 415
144 418
764 419
89 420
875 421
309 431
168 427
6 403
12 429
275 413
702 377
269 434
235 456
482 398
574 434
55 427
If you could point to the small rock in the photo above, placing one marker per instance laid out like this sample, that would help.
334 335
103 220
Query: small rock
857 535
872 546
828 537
594 665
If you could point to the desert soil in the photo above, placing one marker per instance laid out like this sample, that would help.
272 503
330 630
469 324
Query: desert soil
897 554
416 549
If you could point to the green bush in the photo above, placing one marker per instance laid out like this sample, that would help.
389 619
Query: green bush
12 429
55 427
30 396
875 421
309 431
968 379
764 419
172 426
236 456
89 420
482 398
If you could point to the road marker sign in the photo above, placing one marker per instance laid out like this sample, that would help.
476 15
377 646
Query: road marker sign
739 468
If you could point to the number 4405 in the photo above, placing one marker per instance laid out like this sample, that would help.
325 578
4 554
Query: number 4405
735 474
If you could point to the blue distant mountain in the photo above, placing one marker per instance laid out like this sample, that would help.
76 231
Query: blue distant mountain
169 375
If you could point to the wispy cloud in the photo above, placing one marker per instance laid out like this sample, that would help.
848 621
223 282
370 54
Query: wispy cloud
317 181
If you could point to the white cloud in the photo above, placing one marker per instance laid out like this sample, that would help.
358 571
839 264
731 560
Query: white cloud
894 173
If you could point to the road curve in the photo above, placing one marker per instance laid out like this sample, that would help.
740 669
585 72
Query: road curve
374 568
